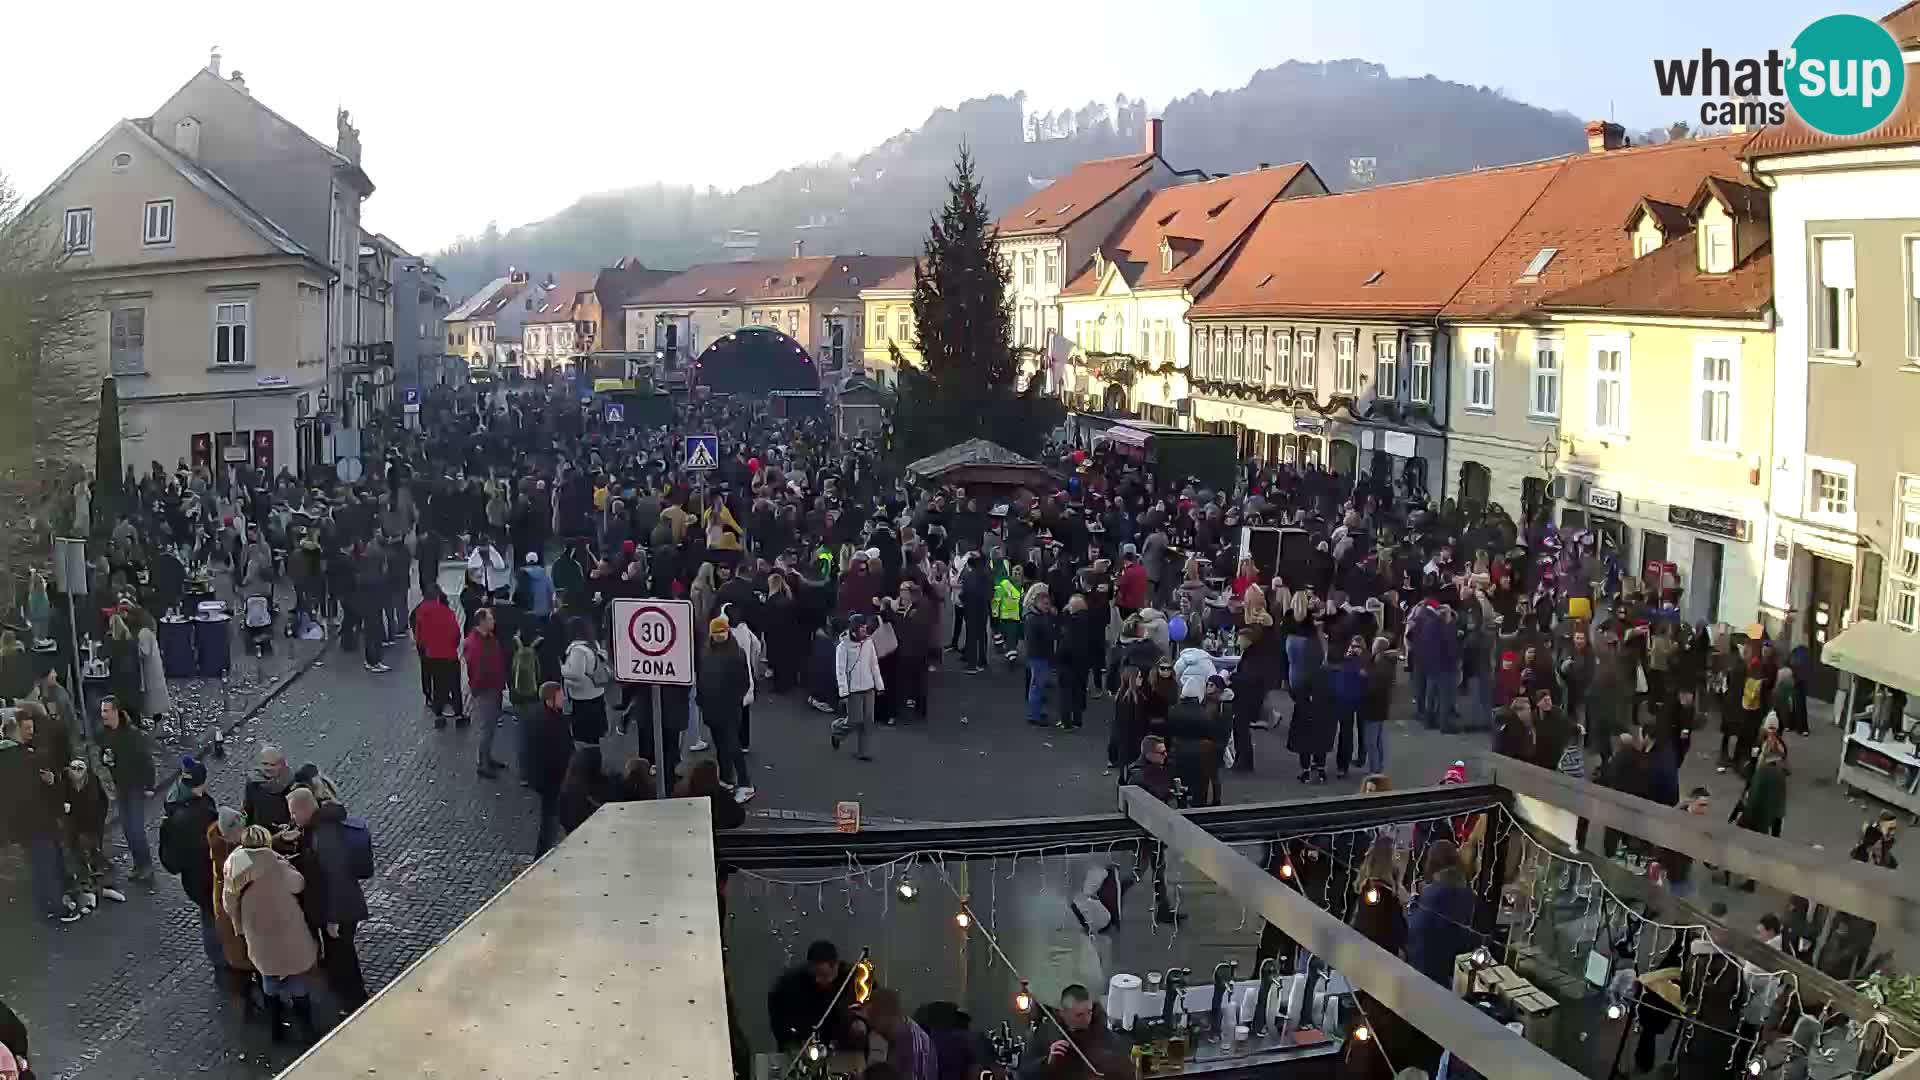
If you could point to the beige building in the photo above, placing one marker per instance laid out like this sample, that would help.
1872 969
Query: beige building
889 314
557 330
813 299
1509 385
212 318
1666 419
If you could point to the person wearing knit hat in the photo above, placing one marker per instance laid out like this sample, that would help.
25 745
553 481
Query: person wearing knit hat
719 629
184 831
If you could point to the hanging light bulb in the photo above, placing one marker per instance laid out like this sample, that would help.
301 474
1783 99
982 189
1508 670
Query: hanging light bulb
1755 1067
816 1052
906 889
1615 1011
1362 1033
962 920
1286 870
1372 894
1482 957
1023 1001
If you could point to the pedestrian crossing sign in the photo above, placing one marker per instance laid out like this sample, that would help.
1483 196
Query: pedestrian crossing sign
703 453
616 413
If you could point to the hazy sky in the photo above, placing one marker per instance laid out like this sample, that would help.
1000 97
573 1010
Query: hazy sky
479 111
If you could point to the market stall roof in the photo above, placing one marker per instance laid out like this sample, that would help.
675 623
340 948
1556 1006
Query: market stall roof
981 461
1878 651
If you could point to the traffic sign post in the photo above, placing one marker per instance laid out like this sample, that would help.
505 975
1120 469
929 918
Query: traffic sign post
616 413
410 400
653 646
703 453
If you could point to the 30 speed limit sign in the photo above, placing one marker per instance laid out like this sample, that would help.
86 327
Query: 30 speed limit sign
653 642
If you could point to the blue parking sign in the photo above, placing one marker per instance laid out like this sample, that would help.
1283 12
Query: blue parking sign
703 453
410 396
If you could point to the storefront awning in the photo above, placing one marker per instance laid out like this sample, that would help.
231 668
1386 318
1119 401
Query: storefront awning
1126 436
1877 651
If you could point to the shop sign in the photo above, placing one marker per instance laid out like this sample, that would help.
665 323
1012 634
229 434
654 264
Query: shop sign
1607 499
1733 528
1399 443
1309 425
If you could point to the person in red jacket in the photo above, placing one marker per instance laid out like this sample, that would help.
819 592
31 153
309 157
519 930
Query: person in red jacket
486 681
436 633
1130 591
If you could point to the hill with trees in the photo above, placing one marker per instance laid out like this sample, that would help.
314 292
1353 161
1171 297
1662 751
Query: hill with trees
1337 115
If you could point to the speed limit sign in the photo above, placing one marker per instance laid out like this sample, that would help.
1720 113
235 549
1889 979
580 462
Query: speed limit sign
653 642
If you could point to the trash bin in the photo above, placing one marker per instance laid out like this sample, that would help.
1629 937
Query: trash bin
214 644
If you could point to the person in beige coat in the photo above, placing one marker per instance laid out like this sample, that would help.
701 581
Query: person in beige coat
262 896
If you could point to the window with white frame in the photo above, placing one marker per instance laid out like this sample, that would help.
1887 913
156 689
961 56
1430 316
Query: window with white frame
902 326
1420 387
1830 490
879 325
1386 367
231 322
1545 399
1903 572
1833 295
159 222
1026 268
1119 334
1053 268
1482 355
128 340
1304 362
80 231
1610 362
1716 367
1282 357
1343 365
1913 297
1257 357
1203 354
1716 248
1220 369
1237 357
1166 343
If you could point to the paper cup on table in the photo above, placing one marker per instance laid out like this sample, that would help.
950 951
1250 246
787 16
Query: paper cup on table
1123 999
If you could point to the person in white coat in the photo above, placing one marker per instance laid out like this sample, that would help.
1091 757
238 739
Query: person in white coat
756 654
491 567
157 701
856 665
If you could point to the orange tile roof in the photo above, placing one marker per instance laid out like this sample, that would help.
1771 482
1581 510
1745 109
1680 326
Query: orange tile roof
1071 197
1668 281
900 280
1210 217
1579 215
1423 238
1900 129
772 279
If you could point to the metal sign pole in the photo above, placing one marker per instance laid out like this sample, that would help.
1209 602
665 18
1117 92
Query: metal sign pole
659 747
79 676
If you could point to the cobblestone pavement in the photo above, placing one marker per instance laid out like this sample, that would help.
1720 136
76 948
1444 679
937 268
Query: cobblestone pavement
125 993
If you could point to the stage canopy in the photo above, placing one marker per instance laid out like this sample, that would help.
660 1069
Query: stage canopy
756 362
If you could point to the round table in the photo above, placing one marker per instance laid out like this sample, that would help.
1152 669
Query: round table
214 644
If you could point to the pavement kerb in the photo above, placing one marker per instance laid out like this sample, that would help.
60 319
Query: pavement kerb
164 778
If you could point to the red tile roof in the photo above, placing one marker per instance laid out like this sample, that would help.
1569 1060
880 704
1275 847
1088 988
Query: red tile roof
1900 129
556 304
1201 222
1579 216
1670 219
1069 198
1422 238
1668 281
772 279
900 280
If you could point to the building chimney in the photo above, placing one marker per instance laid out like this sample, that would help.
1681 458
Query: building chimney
186 138
799 249
1604 135
1266 164
213 63
239 81
1153 135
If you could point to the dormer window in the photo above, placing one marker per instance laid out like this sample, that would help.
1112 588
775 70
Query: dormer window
1645 242
1716 249
1166 257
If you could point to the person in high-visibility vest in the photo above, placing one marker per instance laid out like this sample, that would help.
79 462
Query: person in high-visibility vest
1007 587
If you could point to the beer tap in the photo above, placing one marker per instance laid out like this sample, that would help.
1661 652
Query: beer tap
1268 979
1176 985
1223 973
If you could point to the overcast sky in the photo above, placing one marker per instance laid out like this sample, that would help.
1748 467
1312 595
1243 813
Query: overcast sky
476 112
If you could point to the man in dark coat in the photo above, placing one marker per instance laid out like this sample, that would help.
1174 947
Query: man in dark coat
183 850
801 996
552 748
1153 773
334 904
128 756
1088 1040
723 684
